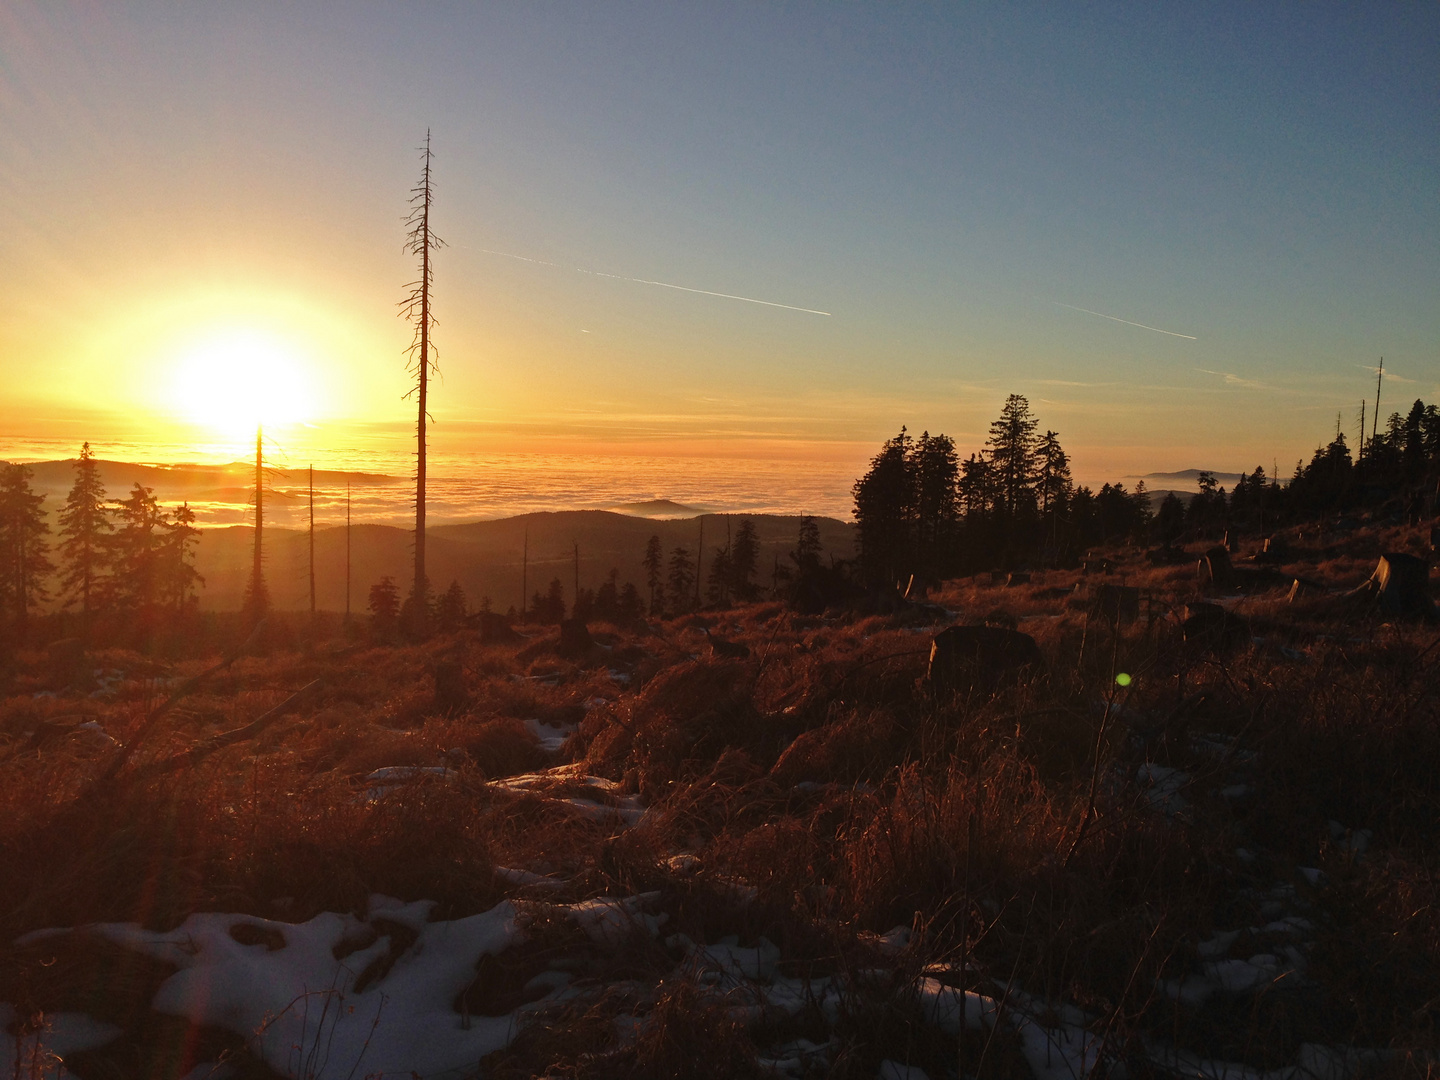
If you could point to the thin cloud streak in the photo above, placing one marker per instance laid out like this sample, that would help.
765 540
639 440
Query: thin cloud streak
1127 322
661 284
1236 380
702 292
1374 370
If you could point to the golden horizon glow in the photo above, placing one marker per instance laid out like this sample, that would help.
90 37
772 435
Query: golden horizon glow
230 379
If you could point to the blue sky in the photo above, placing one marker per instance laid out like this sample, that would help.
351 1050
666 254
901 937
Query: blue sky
943 180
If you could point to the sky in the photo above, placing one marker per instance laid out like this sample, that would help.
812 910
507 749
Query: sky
1186 233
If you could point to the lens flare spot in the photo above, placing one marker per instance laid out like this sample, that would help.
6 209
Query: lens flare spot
1122 679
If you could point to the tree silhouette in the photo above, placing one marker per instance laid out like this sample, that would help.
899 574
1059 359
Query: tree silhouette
682 577
720 580
139 547
85 526
935 472
257 596
654 563
384 605
1013 447
884 502
450 611
23 547
416 307
179 576
744 554
806 555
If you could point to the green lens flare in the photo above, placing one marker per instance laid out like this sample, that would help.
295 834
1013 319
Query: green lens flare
1122 679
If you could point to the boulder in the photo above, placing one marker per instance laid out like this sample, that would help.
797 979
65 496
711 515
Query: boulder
1212 627
1401 586
965 656
450 693
494 629
1215 571
575 640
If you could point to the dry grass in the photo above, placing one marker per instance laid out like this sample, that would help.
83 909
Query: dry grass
1004 826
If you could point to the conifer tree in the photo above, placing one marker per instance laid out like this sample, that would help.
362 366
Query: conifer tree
450 612
139 545
682 578
806 555
257 596
1012 453
884 504
384 605
85 527
720 581
179 575
23 548
654 563
743 555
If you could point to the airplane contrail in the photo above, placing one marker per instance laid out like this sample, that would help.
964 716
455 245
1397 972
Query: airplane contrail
703 292
662 284
522 258
1127 322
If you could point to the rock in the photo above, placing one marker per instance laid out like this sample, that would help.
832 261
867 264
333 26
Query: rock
1212 627
720 647
450 693
1215 571
966 656
575 640
1401 586
495 629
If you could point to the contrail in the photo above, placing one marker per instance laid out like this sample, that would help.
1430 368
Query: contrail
703 292
662 284
1127 322
522 258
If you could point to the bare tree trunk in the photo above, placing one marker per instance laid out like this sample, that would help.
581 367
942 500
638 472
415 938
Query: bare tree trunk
257 599
347 552
312 543
416 307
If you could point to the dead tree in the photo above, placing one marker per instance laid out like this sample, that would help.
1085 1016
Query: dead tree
416 307
257 597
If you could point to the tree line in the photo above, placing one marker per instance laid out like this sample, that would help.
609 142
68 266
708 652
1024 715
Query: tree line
672 583
922 509
127 556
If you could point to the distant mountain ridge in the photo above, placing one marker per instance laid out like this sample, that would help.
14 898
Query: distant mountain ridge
1191 476
487 558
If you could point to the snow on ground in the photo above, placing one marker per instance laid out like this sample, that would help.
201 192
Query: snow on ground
388 1008
39 1056
307 1014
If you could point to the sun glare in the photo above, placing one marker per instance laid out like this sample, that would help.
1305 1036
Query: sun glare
232 380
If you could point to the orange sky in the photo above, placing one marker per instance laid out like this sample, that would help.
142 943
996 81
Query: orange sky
1191 261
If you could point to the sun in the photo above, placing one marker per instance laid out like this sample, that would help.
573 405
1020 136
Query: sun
229 380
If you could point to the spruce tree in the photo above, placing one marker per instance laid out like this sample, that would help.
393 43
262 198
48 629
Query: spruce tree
806 555
682 579
884 510
139 546
85 527
744 554
178 575
654 563
1012 452
23 547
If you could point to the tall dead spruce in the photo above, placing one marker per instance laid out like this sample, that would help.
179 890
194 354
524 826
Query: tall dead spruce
417 308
